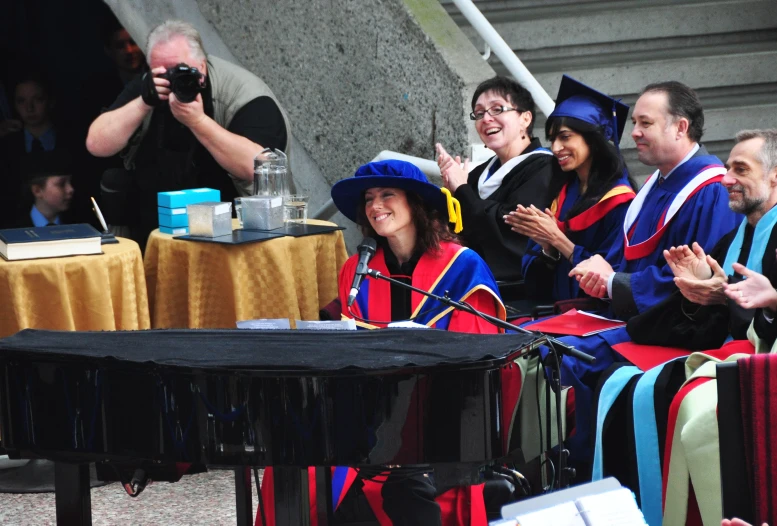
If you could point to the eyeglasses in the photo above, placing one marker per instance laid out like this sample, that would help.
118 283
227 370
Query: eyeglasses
496 110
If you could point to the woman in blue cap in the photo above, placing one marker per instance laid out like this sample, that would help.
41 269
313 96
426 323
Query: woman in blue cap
393 203
586 217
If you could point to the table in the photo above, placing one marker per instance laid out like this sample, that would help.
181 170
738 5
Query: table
79 293
209 285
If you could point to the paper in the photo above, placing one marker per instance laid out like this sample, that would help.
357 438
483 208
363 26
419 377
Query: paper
344 325
565 514
265 324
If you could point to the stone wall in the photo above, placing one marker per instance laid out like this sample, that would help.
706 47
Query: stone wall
355 76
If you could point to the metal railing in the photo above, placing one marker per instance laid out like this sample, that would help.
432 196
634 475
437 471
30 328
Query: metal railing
500 48
495 43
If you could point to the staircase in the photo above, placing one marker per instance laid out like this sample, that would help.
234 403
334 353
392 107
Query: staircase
726 50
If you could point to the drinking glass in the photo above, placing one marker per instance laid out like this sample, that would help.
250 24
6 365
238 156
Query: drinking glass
295 208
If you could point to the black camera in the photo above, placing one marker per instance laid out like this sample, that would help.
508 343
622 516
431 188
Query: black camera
185 82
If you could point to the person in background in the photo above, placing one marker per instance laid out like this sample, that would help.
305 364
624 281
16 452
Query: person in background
587 215
520 173
33 107
47 178
168 144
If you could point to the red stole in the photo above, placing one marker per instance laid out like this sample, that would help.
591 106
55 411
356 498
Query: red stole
616 196
645 248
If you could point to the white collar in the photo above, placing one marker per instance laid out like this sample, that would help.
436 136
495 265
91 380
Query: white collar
486 187
690 154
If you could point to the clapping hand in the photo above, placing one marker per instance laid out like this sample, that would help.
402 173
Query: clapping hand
704 291
453 175
687 263
754 292
534 223
593 275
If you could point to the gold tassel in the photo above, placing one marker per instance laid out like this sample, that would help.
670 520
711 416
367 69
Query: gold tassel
454 211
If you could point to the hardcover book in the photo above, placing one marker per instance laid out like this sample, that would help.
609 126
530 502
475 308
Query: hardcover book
49 242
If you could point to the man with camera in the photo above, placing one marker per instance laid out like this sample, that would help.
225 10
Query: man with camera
192 121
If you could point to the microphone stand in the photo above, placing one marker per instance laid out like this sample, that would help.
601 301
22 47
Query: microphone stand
556 347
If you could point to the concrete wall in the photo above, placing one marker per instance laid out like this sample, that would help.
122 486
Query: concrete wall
355 76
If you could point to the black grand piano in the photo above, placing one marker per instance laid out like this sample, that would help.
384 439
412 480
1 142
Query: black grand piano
142 403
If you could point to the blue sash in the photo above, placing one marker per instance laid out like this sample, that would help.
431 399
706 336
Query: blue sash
610 391
646 443
763 231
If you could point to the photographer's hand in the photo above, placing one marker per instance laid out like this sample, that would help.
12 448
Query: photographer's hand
154 88
190 114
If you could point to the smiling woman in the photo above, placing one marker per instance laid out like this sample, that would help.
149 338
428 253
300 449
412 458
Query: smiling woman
519 174
409 218
586 216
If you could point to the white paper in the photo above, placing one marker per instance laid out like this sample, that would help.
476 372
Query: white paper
565 514
344 325
406 325
265 324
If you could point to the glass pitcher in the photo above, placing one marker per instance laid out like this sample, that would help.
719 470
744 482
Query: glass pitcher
270 173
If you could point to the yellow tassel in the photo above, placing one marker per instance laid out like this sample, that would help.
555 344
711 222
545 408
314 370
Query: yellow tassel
454 211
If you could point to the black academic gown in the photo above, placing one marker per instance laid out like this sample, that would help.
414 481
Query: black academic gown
739 318
530 182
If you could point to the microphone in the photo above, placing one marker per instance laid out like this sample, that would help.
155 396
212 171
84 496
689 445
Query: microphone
366 251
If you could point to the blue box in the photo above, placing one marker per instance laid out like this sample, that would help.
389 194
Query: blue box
174 231
173 217
181 198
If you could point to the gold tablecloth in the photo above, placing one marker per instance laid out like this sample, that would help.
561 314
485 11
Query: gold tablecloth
79 293
209 285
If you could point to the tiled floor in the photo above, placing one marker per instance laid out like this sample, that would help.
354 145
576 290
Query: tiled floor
203 499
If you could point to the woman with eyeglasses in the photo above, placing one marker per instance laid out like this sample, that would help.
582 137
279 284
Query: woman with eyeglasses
586 217
519 174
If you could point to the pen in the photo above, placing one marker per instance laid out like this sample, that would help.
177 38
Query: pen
99 215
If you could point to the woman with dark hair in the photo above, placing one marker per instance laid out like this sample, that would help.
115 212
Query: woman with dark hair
520 173
393 203
586 217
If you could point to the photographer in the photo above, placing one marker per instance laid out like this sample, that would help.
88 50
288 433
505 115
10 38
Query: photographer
192 121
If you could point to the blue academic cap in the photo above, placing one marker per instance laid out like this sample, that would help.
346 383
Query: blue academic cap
582 102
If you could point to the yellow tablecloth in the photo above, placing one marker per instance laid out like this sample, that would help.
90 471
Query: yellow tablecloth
80 293
209 285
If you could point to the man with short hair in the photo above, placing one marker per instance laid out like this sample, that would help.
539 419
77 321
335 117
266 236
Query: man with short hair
168 144
675 207
746 252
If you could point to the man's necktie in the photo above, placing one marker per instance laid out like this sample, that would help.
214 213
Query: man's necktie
37 146
660 180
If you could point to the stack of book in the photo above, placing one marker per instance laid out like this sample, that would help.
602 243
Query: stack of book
173 218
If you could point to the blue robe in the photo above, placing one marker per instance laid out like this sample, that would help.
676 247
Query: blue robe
602 237
705 218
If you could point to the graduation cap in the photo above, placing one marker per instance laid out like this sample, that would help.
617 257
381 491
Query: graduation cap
584 103
44 164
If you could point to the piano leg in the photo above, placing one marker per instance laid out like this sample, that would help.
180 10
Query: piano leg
292 498
72 494
243 492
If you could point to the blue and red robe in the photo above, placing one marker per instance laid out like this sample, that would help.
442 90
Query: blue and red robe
596 230
689 206
466 277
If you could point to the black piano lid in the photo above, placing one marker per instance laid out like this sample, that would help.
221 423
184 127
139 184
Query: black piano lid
267 351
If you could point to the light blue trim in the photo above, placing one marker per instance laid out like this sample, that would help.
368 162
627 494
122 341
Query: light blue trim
610 391
763 231
646 444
